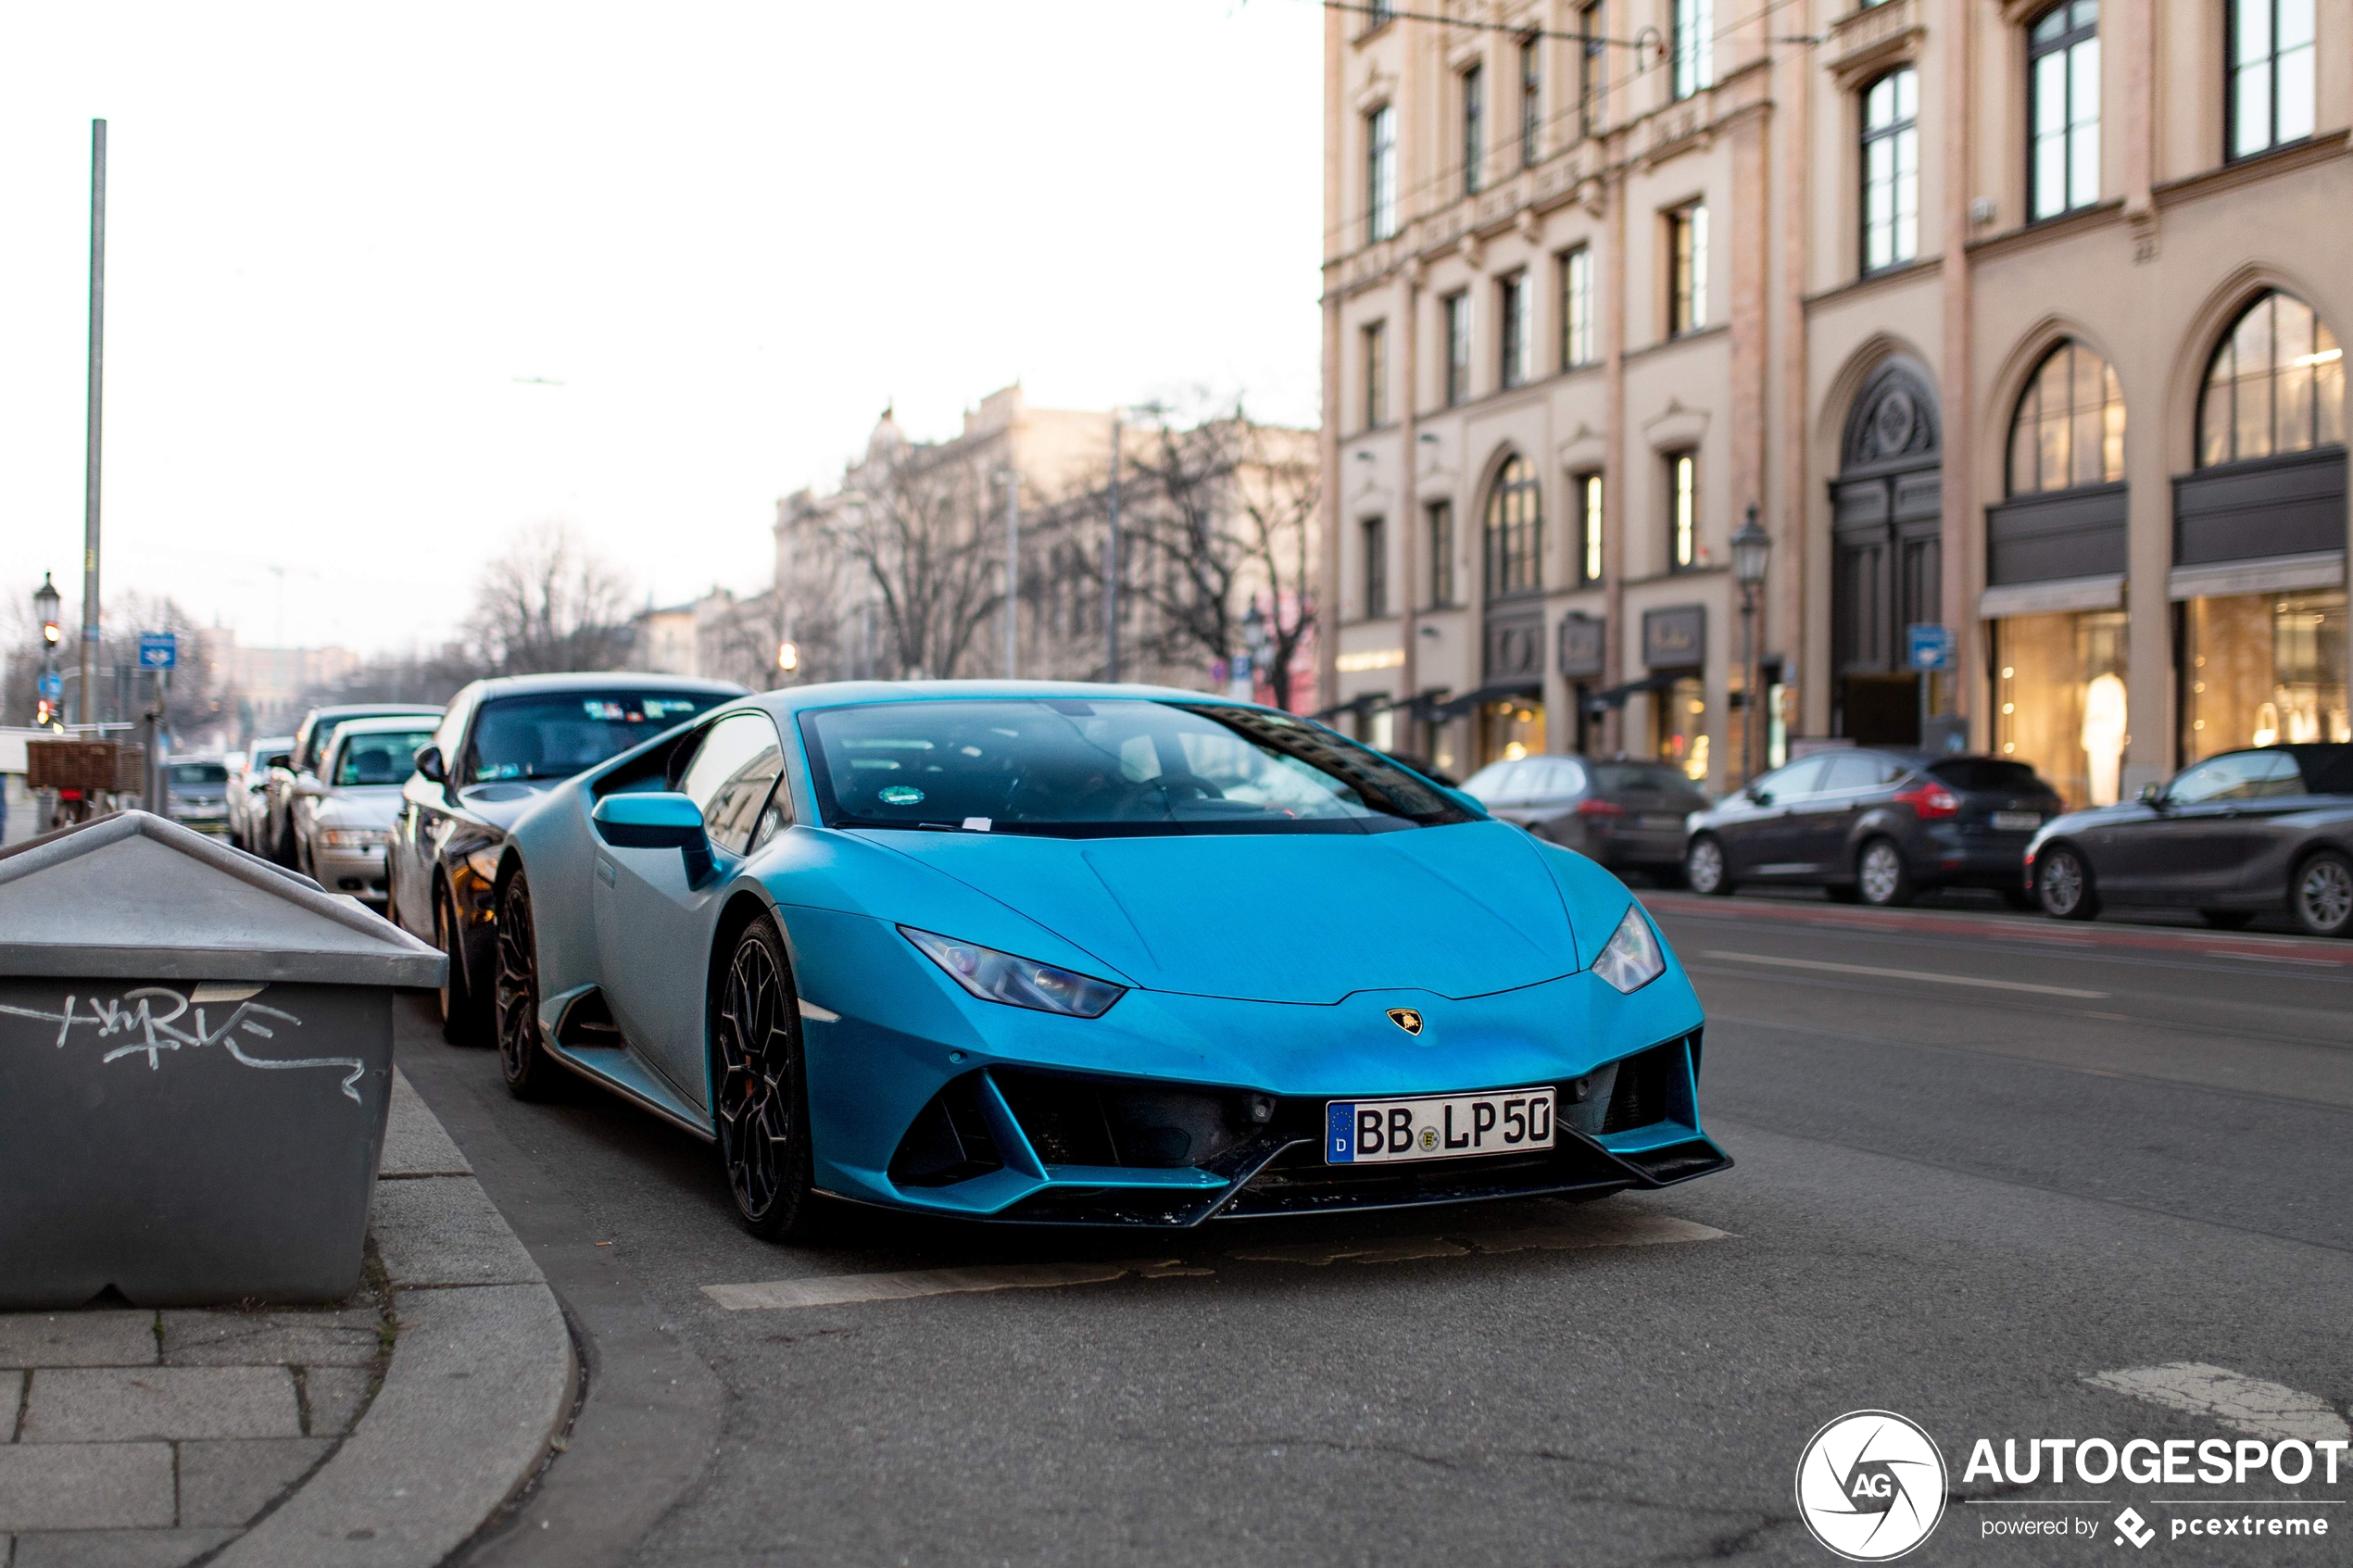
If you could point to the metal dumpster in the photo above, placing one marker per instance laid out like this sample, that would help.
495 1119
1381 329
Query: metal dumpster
196 1059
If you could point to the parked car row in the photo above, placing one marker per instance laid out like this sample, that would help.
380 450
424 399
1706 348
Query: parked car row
2265 830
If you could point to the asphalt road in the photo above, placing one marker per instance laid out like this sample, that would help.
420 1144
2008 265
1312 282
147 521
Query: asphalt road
1983 1160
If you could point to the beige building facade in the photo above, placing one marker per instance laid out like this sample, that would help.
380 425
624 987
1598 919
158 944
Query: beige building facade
2017 319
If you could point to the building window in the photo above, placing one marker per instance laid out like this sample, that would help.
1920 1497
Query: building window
1474 128
1695 46
1682 514
1531 100
1375 375
1376 535
1589 527
1576 309
1380 173
1891 171
1441 553
1592 69
1518 321
2262 669
2063 109
2070 426
2276 385
1514 530
2270 81
2060 702
1687 262
1680 728
1456 310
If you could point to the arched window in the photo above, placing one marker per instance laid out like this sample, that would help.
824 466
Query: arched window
1514 530
2069 427
2276 385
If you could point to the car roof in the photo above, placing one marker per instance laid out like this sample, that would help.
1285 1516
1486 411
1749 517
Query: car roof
382 723
849 694
605 680
371 709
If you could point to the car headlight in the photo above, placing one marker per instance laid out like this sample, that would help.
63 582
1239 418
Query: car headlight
1023 983
353 838
1634 957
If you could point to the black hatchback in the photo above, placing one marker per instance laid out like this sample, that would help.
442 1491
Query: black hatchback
1628 816
1876 825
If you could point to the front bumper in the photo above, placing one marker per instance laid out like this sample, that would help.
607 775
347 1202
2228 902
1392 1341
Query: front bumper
359 871
1173 1110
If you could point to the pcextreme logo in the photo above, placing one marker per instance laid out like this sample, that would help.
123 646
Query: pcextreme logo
1870 1486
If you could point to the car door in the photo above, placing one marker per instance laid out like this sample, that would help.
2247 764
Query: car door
2185 847
1757 842
1820 824
653 925
2254 837
426 811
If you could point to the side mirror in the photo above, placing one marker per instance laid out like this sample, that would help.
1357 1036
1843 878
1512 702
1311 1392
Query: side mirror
429 765
2151 795
662 820
1760 796
276 760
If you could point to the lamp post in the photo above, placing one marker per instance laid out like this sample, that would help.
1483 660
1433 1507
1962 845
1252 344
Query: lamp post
1751 547
44 609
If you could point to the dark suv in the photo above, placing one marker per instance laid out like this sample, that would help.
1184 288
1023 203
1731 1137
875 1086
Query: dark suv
1876 825
1628 816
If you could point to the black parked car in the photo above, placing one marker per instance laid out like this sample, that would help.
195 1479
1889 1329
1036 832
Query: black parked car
1625 815
1876 825
501 743
2232 838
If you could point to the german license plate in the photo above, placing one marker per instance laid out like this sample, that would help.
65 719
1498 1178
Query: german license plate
1366 1132
1661 820
2017 820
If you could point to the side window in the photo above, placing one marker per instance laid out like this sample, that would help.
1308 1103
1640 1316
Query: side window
1568 778
731 776
1797 779
2237 776
1850 770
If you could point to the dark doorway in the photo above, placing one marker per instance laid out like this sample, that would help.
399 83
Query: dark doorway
1887 553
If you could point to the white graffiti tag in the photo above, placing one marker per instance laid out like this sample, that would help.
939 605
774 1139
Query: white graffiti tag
135 1013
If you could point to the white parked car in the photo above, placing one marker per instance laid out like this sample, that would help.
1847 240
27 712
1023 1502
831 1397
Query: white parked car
344 815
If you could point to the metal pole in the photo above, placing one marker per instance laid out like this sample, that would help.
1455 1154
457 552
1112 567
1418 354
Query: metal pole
1748 705
1013 574
90 474
1111 566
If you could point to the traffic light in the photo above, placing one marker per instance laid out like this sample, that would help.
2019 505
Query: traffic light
45 606
44 714
788 657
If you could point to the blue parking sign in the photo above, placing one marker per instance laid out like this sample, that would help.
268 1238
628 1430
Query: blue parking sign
1929 648
158 650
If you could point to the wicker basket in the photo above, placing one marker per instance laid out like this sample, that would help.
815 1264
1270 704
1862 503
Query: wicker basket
94 766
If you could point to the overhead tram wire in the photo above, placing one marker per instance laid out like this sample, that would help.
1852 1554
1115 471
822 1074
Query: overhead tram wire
1452 174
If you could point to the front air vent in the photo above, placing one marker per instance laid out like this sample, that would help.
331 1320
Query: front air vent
1645 1081
950 1141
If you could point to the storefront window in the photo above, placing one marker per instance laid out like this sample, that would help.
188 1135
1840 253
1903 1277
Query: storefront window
2060 701
1509 731
2263 670
1682 728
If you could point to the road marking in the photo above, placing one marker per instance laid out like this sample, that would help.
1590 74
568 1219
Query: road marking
2269 958
1608 1227
1907 974
840 1290
2244 1404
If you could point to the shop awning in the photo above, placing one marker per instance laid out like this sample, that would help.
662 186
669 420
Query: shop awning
2104 591
2266 574
1503 691
1615 695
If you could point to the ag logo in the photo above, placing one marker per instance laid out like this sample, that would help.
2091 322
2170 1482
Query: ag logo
1870 1486
1406 1019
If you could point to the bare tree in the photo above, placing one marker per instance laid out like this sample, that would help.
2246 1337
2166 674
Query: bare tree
919 532
549 604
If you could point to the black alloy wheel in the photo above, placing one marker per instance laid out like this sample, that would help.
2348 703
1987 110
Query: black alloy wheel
2321 899
1881 877
2063 883
761 1090
530 1073
461 1004
1703 866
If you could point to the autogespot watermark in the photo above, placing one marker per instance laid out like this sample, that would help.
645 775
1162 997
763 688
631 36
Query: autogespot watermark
1873 1485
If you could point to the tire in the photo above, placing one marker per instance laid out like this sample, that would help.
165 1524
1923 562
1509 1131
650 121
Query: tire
2063 885
462 1023
760 1089
2227 920
1881 877
522 1059
1704 868
2321 894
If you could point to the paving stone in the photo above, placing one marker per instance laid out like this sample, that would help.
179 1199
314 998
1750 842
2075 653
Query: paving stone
95 1339
337 1394
116 1549
343 1337
84 1487
229 1482
444 1230
106 1404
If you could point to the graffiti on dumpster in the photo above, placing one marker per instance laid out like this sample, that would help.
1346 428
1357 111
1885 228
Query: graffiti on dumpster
138 1017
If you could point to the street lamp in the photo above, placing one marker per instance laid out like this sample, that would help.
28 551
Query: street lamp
1751 547
44 610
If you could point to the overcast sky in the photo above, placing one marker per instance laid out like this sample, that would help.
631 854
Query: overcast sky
350 250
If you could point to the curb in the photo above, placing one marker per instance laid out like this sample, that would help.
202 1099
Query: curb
480 1378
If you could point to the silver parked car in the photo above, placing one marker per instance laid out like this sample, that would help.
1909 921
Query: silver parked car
197 791
249 789
343 815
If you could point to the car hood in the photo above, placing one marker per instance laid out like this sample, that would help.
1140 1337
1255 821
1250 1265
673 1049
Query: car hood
360 806
499 804
1463 910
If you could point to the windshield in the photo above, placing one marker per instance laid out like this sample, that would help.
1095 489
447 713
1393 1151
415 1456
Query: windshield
385 757
555 735
1085 769
199 774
